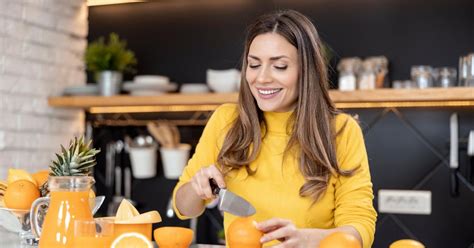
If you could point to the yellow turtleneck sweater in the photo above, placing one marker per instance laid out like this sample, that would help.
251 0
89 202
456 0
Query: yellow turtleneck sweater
274 189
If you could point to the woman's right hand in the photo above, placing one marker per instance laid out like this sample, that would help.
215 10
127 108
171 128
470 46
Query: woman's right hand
200 181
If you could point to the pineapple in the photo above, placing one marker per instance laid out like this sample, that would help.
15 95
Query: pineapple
77 160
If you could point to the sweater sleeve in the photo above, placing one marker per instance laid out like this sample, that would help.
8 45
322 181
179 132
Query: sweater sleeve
353 194
207 148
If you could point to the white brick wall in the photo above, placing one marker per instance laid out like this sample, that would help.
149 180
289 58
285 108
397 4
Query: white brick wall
41 47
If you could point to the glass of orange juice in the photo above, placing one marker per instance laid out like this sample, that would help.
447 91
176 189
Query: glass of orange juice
97 233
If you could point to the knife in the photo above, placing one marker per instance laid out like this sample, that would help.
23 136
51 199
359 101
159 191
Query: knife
230 202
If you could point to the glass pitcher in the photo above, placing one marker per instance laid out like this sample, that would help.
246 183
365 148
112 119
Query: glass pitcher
68 201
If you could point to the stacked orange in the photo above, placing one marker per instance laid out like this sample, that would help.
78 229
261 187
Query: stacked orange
339 240
22 188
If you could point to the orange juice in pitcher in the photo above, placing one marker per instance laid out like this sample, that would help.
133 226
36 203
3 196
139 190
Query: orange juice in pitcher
69 201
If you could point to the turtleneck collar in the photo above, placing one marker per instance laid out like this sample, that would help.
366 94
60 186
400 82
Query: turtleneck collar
277 121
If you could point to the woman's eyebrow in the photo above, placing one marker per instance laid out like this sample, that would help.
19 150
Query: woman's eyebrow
271 58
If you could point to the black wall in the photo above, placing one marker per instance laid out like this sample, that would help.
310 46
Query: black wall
407 150
182 38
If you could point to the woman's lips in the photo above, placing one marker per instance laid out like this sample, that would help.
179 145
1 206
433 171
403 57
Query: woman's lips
268 93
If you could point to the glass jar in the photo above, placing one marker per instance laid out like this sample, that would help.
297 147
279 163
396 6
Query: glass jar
366 76
445 77
422 76
347 68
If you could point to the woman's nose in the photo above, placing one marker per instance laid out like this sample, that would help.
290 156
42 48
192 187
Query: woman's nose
264 75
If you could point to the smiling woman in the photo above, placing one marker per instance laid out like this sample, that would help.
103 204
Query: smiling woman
284 147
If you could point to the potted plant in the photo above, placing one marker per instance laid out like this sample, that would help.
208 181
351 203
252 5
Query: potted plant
108 61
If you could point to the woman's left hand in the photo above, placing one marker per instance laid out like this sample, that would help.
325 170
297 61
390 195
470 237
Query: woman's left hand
287 233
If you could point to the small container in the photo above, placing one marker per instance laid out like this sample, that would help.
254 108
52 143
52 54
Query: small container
143 161
174 160
422 76
347 68
445 77
366 76
469 61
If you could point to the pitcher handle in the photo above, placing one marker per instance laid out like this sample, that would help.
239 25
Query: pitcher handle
34 215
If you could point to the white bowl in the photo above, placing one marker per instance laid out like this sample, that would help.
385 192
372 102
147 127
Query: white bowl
223 80
151 79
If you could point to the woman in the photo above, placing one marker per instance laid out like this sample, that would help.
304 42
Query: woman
284 147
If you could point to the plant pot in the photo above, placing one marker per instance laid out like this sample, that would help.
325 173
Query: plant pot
110 82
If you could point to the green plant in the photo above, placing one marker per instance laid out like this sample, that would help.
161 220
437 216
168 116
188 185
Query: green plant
113 55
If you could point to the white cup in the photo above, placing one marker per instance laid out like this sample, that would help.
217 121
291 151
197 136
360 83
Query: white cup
174 160
143 161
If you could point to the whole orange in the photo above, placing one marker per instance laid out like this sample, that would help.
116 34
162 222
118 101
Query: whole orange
41 177
173 237
406 243
242 233
20 194
339 240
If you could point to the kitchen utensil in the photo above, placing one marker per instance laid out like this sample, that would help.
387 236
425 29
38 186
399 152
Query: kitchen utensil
454 154
470 154
156 133
165 133
230 202
169 208
110 164
117 198
127 184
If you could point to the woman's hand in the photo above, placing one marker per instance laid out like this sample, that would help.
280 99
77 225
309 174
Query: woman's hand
287 233
290 236
200 181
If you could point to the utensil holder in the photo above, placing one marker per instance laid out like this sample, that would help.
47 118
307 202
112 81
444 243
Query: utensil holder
174 160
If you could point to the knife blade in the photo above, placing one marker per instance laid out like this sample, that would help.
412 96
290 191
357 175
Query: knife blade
230 202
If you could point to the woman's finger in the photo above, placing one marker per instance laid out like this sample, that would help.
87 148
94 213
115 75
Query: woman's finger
282 234
197 188
216 174
272 224
204 183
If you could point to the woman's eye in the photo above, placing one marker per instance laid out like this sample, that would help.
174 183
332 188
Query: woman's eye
254 66
282 67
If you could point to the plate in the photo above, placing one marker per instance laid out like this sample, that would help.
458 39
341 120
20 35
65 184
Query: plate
130 86
146 93
89 89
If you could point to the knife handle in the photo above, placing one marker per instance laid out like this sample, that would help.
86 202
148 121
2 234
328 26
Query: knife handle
214 187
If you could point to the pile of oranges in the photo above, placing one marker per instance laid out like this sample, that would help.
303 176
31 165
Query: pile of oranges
21 188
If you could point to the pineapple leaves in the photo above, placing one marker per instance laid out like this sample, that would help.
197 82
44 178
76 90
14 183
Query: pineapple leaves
77 160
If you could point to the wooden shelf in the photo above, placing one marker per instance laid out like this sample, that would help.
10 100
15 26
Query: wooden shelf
381 98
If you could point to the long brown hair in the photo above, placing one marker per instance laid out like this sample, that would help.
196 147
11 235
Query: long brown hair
312 122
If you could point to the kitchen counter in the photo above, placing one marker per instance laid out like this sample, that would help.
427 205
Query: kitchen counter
11 240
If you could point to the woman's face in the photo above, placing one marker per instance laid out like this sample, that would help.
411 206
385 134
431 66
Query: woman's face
272 72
